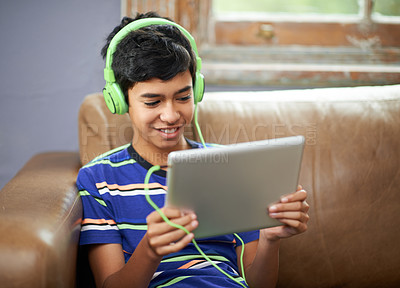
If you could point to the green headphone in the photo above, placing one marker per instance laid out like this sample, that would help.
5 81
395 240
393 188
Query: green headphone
112 92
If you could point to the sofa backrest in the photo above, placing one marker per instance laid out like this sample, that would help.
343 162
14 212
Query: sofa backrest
351 169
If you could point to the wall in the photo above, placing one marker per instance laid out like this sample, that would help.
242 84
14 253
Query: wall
50 59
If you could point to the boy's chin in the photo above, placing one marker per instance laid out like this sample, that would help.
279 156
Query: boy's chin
170 144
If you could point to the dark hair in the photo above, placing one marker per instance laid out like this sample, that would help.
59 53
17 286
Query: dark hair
156 51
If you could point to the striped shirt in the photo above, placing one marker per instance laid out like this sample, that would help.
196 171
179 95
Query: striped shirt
115 210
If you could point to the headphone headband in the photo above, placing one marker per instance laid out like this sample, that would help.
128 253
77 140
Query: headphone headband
136 25
113 95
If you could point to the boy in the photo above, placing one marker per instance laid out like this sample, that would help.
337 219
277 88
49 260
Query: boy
129 244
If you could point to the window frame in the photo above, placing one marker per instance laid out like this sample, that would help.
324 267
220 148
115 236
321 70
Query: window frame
293 29
360 50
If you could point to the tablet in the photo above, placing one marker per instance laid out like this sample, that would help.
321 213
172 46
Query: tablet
230 187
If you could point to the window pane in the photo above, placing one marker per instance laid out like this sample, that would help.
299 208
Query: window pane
288 6
387 7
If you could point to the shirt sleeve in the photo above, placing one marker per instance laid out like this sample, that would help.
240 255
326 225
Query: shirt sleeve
98 224
247 237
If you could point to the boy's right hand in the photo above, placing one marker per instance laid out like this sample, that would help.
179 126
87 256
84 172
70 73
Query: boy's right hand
162 238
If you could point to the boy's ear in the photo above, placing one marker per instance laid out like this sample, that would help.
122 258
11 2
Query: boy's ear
115 99
198 89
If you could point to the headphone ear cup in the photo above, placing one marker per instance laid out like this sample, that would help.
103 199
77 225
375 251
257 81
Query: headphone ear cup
198 88
115 99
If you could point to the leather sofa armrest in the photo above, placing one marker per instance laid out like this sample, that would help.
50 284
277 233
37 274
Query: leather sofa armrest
40 212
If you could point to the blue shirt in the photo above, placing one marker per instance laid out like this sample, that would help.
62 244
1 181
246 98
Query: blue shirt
115 210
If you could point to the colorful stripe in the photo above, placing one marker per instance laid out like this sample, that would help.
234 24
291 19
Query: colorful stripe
98 221
130 187
141 227
190 264
132 193
98 227
108 162
173 281
98 224
194 256
103 224
83 193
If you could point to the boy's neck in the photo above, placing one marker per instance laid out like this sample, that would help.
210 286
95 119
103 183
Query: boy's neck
156 156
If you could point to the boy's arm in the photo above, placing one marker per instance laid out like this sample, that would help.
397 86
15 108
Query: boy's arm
261 262
107 260
261 259
109 268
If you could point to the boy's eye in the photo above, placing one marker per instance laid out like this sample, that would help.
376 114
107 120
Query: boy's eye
185 98
153 103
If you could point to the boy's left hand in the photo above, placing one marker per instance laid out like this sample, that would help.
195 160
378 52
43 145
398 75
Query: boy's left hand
292 211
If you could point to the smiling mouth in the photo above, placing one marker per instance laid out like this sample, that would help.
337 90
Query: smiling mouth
169 131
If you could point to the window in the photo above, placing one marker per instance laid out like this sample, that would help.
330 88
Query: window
386 8
287 6
290 43
308 22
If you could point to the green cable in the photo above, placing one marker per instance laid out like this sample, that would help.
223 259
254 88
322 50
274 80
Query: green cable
241 256
196 123
165 218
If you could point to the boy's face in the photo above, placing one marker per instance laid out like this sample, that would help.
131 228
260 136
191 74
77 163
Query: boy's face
159 111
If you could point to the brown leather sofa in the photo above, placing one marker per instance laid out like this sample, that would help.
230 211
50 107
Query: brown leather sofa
351 169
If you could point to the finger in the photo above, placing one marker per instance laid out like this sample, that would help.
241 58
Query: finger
291 206
174 212
173 236
299 195
170 213
297 216
158 228
300 227
306 206
173 247
299 187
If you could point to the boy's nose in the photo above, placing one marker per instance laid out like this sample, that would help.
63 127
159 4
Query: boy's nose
170 114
